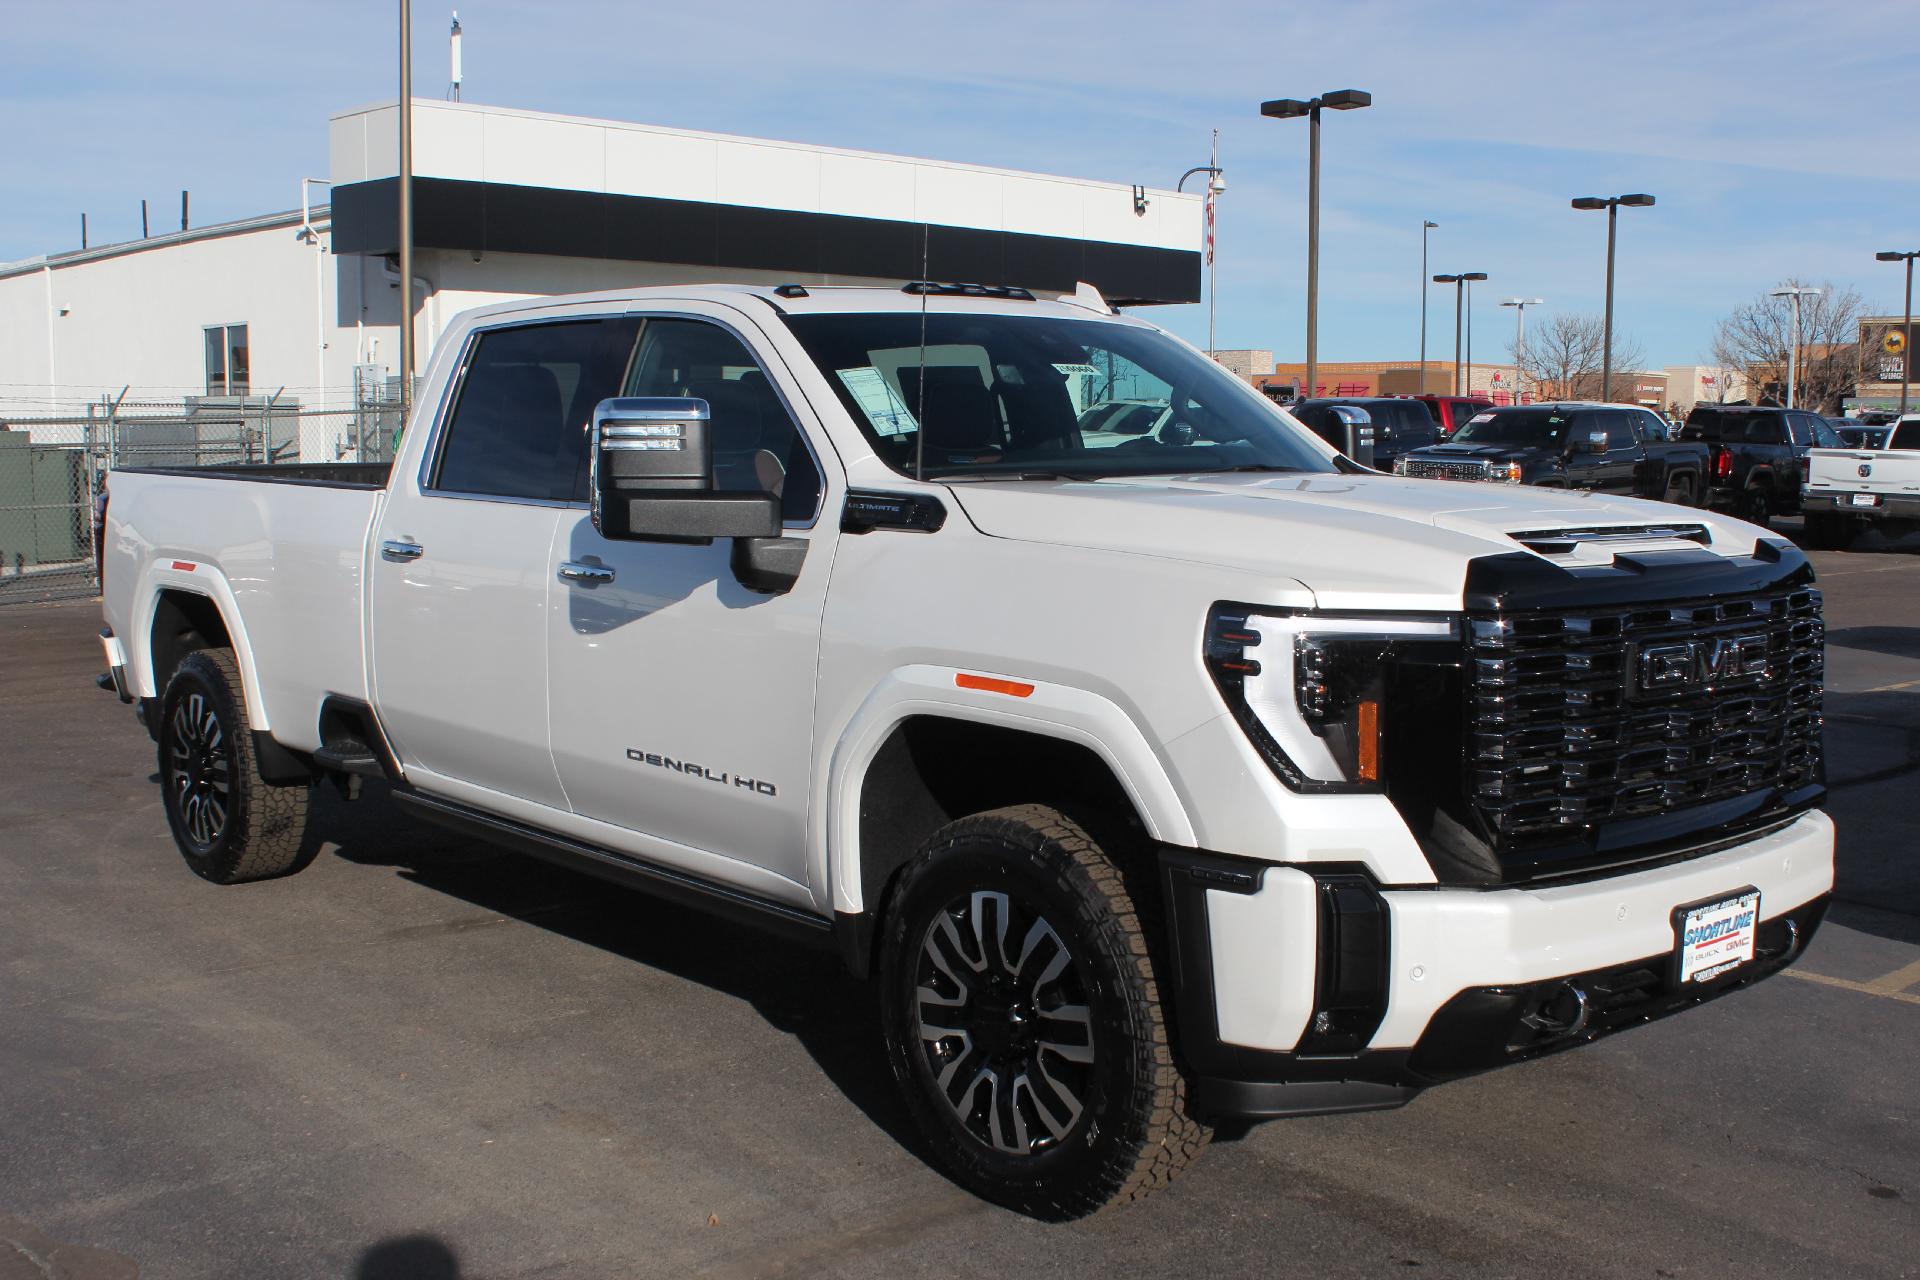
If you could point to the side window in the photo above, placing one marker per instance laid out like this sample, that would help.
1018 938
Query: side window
519 428
1413 428
757 448
1767 428
1619 428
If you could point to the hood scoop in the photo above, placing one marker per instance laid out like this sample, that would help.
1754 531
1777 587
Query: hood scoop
1566 542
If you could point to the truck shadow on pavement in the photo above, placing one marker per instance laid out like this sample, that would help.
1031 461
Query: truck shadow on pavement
800 991
418 1257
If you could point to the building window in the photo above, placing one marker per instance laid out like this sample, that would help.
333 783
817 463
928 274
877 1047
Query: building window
228 363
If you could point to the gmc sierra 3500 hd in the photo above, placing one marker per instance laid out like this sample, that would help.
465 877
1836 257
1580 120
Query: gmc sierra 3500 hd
1157 778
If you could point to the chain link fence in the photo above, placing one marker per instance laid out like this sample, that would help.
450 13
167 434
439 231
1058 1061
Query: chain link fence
56 470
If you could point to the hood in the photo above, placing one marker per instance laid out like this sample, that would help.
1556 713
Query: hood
1468 449
1354 541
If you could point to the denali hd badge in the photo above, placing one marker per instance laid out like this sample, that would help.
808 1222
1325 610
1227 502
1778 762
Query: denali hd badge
701 771
1689 664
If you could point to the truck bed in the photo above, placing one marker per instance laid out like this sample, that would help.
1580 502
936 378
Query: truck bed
281 550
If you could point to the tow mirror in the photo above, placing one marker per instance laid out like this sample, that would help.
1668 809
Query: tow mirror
652 481
1592 442
1353 428
653 476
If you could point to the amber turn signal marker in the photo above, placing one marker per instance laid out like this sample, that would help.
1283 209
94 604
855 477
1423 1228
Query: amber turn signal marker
987 684
1369 726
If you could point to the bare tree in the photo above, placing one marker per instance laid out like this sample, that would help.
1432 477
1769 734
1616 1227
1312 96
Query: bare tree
1754 340
1563 359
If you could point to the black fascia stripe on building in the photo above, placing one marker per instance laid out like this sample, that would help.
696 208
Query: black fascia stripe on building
491 217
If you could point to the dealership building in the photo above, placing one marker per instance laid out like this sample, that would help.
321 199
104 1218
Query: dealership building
303 306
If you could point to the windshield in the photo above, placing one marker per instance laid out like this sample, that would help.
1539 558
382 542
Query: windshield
1006 395
1543 428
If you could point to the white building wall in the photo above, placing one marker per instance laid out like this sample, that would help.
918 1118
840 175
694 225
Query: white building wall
72 332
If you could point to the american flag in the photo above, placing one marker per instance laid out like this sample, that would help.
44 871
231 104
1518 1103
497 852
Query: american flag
1211 196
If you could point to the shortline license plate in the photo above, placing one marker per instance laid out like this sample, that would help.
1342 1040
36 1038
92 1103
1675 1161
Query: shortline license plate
1716 937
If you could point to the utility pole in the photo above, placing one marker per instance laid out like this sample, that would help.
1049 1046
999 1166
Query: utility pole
1520 306
1906 323
1793 341
1425 228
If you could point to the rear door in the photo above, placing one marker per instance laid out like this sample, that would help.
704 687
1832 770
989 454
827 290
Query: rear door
464 557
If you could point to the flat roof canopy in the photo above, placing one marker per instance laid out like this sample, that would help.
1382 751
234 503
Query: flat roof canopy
494 180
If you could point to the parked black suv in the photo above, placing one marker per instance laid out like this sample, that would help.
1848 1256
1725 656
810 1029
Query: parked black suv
1612 448
1399 424
1755 455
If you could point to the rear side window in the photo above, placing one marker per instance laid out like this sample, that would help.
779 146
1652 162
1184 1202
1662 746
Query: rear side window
519 427
1413 427
1619 428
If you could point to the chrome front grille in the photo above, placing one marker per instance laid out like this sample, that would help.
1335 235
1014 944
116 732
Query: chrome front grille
1436 469
1595 732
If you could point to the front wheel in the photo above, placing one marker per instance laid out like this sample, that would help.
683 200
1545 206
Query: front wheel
229 824
1023 1020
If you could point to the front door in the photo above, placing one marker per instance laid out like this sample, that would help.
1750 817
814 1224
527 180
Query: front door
463 561
682 703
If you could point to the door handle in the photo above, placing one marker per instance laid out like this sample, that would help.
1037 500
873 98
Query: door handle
402 549
581 571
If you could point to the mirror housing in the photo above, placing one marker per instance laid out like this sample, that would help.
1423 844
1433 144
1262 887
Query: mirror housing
651 460
1592 442
1353 427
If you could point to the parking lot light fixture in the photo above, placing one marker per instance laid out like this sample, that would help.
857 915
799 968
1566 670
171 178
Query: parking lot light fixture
1426 227
1636 200
1290 109
1459 282
1906 319
1520 306
1793 340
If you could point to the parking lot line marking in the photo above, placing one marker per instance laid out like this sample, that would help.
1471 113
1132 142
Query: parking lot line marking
1889 688
1847 984
1899 980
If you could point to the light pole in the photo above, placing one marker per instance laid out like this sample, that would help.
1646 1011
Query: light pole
1906 322
406 210
1288 109
1459 283
1793 341
1520 306
1216 183
1612 205
1425 227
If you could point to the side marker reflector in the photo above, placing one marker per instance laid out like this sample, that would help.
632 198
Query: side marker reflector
988 684
185 566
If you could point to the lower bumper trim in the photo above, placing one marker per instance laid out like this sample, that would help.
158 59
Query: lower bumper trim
1276 1100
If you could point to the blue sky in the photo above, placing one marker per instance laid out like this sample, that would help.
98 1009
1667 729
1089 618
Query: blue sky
1778 137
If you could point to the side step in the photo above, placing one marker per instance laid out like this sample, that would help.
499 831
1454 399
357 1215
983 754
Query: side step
349 755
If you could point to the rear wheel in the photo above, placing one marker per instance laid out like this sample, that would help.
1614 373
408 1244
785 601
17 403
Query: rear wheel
1023 1020
230 825
1754 506
1680 491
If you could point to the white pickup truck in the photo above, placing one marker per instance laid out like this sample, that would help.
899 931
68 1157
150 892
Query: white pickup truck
1849 490
1156 777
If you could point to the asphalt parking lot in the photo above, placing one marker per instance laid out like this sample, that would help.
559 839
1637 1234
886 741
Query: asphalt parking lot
422 1059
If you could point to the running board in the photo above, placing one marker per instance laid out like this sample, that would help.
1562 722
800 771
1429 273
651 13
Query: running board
622 869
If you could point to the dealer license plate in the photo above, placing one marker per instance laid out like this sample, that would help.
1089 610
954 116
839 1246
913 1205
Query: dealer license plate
1866 499
1717 936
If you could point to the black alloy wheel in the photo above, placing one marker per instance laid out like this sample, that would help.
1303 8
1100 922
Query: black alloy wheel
1001 1010
200 770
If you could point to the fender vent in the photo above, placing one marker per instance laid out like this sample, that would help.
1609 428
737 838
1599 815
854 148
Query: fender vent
1562 542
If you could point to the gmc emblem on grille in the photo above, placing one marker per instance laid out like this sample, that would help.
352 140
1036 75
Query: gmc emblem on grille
1689 664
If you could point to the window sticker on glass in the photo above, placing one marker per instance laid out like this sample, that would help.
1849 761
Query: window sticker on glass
879 401
1481 417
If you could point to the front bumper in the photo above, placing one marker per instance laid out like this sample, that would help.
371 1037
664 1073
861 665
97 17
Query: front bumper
1892 506
1294 998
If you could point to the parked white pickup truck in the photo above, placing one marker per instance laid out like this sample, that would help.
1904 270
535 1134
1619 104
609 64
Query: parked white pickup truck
1848 490
1156 777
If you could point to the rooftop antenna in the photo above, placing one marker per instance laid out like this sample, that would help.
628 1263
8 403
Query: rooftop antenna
453 43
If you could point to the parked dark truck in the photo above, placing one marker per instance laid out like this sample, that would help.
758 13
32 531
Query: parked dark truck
1399 424
1604 447
1756 455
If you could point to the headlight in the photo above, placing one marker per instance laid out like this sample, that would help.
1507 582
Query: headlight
1400 466
1506 472
1316 693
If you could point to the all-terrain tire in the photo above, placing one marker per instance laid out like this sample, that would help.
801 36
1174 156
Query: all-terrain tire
230 826
1026 880
1755 507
